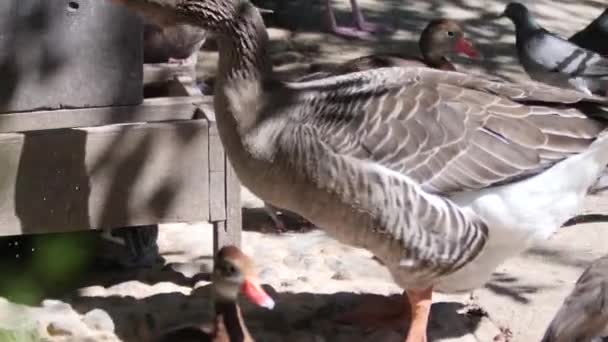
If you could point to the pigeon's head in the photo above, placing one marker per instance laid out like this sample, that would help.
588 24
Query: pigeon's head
515 11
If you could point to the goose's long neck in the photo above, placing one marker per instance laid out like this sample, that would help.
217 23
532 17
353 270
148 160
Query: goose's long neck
244 66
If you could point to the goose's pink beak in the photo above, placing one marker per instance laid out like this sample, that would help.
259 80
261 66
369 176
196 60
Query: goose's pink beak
254 292
466 47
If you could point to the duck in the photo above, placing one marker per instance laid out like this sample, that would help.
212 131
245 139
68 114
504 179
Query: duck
584 314
440 38
594 36
441 175
233 273
554 60
362 28
177 44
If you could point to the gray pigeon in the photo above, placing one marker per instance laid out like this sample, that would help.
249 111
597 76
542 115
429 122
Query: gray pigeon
553 60
594 37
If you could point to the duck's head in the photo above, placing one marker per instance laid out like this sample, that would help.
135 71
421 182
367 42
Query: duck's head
442 37
234 273
515 11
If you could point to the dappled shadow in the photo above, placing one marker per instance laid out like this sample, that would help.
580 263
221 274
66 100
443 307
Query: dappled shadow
53 265
571 258
43 43
296 314
74 178
494 37
506 285
586 218
258 220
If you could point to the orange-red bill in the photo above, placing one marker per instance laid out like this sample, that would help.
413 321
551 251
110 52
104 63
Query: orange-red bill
466 47
254 292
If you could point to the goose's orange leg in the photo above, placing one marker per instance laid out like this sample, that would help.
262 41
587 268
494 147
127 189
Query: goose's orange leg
412 307
420 305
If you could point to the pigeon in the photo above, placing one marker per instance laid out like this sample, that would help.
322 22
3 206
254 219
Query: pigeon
594 37
553 60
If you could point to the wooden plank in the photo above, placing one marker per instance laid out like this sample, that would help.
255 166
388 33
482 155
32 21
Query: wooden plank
162 72
217 176
216 150
217 196
57 54
188 85
104 177
220 239
205 110
151 110
234 219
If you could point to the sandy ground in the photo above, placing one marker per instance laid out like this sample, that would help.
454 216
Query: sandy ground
310 275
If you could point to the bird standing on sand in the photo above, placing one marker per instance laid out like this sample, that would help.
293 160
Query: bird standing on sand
553 60
441 175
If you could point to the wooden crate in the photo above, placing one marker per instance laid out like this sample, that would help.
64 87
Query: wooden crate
100 168
69 54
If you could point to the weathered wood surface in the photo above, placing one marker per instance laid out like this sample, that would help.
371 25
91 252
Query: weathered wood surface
151 110
162 72
234 216
160 161
104 177
69 54
217 175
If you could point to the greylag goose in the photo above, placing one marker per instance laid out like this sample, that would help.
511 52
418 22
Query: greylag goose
553 60
440 38
584 315
441 175
594 36
361 29
233 273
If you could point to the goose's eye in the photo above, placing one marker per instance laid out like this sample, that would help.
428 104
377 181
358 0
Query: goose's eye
450 33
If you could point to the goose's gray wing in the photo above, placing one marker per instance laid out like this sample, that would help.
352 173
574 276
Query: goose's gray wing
584 314
449 131
387 144
552 53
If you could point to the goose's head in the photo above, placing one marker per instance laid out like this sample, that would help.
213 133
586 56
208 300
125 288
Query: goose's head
234 273
443 37
214 15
